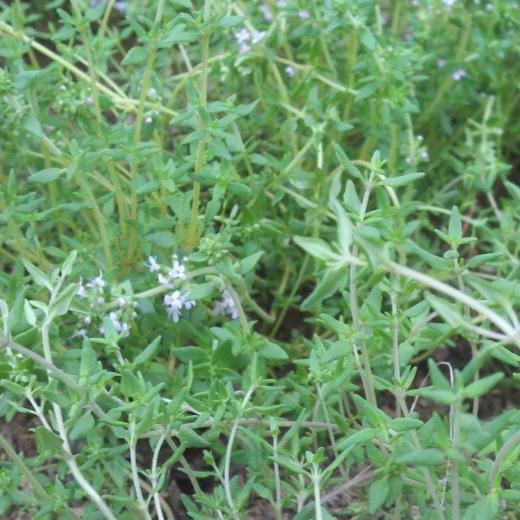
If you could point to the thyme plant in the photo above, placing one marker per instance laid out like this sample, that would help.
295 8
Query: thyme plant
259 259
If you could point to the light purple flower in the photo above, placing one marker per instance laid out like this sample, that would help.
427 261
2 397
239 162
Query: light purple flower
304 14
178 270
449 3
226 306
441 62
152 264
458 74
120 7
174 304
82 291
268 17
289 71
97 283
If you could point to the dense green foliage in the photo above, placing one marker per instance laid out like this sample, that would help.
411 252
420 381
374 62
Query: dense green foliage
260 260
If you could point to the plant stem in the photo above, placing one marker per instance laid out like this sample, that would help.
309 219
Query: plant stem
193 232
424 279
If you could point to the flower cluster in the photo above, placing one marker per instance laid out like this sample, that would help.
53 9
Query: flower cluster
167 277
458 74
245 38
226 306
175 302
94 293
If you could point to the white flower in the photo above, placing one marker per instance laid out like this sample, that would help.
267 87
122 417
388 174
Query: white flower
449 3
89 101
165 281
178 270
289 71
152 92
152 264
246 38
148 120
97 283
303 14
458 74
441 62
424 155
82 291
226 306
257 36
115 322
243 35
268 17
80 333
121 302
101 300
174 304
87 321
120 6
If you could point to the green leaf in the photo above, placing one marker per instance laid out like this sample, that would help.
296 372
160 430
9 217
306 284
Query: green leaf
61 304
482 386
230 21
272 351
162 239
345 162
437 377
421 457
449 312
401 180
248 263
484 509
15 388
135 56
351 199
30 315
148 352
191 438
439 396
477 260
47 175
82 426
200 291
455 226
402 424
48 441
332 281
182 3
377 494
361 437
38 276
66 267
345 231
315 247
177 35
